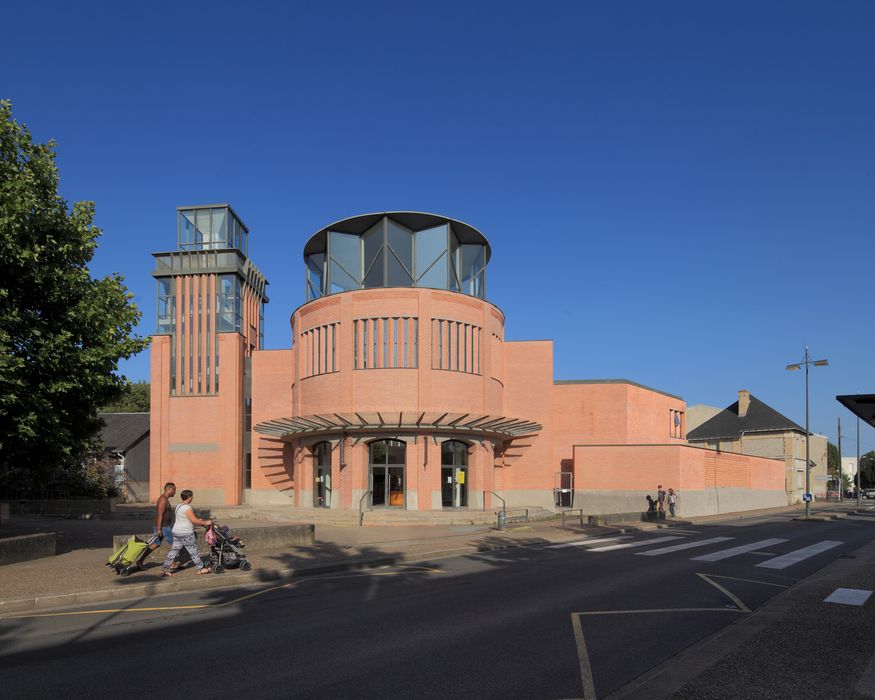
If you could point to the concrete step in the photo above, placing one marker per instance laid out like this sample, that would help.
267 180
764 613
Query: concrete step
373 517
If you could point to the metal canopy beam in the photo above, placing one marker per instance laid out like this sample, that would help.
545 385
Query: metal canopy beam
477 426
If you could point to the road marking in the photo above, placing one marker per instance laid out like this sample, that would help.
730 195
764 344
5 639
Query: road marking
735 551
658 610
406 569
741 606
685 545
586 679
583 659
749 580
639 543
110 610
798 555
583 543
848 596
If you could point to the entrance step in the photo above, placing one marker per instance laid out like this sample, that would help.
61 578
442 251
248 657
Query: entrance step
374 517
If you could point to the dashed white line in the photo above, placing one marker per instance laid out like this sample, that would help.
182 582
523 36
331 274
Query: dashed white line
584 543
680 547
794 557
735 551
639 543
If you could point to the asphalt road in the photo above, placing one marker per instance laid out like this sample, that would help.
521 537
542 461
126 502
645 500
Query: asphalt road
535 622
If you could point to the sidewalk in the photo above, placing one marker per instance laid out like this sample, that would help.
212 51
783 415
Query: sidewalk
79 576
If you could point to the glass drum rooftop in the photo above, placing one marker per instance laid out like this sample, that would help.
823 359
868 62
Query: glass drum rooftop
214 227
397 249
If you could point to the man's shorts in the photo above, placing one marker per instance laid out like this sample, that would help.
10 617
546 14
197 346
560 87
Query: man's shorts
166 535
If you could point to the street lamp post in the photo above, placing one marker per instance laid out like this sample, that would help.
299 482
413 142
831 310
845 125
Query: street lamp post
807 362
859 493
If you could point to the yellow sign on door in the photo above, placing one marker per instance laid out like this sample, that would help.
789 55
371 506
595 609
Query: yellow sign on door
460 477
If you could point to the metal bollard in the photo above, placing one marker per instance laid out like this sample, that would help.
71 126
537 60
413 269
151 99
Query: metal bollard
502 519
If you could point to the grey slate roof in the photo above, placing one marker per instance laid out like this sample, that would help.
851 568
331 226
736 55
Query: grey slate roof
122 430
728 425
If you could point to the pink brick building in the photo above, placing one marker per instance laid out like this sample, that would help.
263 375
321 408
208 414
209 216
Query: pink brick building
399 388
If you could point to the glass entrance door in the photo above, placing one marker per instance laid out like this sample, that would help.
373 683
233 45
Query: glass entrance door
322 475
454 474
386 474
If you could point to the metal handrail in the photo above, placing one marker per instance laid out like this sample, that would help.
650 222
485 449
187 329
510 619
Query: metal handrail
572 510
503 502
361 512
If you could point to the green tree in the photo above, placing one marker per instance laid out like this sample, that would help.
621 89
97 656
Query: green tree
867 470
62 332
833 464
134 399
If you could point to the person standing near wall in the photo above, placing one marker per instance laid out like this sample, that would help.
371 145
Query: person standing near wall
672 502
660 498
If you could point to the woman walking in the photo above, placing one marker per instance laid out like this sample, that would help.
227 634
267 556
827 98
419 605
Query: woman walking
183 534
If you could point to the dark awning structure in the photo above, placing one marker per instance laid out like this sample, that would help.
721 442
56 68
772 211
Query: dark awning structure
456 424
861 405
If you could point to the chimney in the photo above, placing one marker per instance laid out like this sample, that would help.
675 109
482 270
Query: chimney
743 402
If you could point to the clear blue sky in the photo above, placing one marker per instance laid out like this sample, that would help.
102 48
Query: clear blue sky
679 193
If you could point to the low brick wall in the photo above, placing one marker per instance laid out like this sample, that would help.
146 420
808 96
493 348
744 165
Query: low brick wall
73 508
26 547
255 537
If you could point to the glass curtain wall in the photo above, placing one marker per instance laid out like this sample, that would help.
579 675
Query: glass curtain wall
386 473
322 475
390 255
214 228
454 474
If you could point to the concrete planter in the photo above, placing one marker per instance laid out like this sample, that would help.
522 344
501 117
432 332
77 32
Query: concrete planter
27 547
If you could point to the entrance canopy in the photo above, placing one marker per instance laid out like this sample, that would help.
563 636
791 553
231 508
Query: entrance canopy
861 405
473 425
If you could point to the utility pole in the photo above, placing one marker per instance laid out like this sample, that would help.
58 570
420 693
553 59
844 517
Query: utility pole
841 482
859 493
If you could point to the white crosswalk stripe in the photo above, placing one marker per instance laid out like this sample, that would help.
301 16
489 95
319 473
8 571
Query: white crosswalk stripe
680 547
794 557
639 543
735 551
584 543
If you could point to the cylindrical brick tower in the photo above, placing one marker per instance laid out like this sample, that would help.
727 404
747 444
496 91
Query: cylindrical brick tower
396 374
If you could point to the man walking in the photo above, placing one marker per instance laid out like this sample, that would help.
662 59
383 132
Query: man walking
660 498
162 528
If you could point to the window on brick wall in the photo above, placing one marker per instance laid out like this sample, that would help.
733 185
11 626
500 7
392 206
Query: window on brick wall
320 349
455 346
387 342
677 429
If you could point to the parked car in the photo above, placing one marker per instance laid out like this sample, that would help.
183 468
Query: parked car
869 493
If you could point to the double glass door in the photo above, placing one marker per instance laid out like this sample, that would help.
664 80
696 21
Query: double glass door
454 474
322 475
386 473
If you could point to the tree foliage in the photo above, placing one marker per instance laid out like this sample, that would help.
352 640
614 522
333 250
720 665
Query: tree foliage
62 332
134 399
867 470
833 460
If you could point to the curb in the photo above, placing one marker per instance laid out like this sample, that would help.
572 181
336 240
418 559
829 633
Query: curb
242 580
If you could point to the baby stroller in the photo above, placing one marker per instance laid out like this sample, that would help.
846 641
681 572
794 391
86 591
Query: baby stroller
226 551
